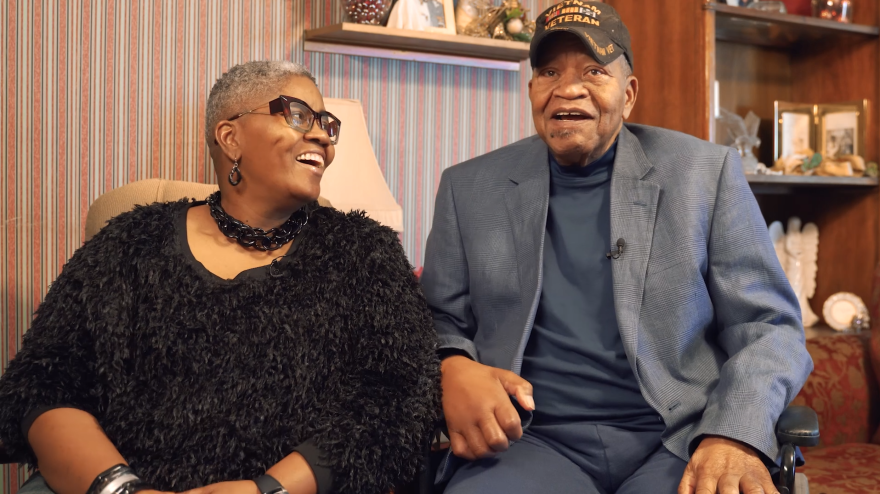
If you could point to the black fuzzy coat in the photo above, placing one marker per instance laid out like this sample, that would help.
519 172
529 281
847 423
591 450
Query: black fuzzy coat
198 380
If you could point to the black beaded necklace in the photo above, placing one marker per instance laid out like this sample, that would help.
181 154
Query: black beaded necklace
257 238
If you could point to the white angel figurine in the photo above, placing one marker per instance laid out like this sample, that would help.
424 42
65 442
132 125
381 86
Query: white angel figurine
798 252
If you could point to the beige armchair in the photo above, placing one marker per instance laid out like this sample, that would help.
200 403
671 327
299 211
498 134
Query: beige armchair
144 192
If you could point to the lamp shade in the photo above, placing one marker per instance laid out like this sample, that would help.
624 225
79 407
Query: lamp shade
354 179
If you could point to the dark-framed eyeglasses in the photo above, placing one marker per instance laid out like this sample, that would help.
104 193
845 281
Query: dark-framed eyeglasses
300 116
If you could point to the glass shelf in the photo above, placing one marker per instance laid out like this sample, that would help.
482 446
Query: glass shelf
756 27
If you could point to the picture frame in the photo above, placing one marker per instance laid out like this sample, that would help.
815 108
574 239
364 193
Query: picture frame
432 16
448 22
794 128
841 128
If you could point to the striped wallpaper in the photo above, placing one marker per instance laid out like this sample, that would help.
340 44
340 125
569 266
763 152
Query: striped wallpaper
98 93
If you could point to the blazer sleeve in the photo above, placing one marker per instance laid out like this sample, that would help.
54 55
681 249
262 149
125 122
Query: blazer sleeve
384 397
445 276
758 322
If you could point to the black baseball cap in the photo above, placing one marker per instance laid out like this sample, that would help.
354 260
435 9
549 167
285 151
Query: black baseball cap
597 24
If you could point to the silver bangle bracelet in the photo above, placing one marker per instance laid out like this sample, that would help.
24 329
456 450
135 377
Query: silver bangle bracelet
118 479
118 483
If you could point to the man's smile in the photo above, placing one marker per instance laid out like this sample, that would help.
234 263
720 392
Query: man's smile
571 116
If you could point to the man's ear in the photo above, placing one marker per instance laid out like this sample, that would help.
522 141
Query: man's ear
631 93
227 138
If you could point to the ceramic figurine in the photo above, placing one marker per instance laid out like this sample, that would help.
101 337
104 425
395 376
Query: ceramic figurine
744 133
798 251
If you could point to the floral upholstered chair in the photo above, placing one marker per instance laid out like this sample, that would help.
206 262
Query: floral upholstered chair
843 391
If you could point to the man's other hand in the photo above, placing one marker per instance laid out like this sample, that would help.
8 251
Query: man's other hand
476 401
724 466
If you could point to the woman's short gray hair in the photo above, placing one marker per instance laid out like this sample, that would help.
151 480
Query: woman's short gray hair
243 84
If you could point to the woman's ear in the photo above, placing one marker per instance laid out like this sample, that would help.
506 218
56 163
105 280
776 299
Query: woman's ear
227 138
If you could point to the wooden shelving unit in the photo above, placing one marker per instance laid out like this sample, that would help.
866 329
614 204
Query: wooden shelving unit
822 330
811 181
793 184
403 44
682 48
751 26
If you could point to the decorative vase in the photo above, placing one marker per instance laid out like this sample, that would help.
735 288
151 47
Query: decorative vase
368 11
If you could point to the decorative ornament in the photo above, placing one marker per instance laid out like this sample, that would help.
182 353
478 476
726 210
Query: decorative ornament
466 11
763 170
514 26
835 10
744 134
808 162
860 322
811 162
368 11
798 252
845 311
507 21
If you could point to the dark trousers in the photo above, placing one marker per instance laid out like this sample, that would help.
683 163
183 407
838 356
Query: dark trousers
575 459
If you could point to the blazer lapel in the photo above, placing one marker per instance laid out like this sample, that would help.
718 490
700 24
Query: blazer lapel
527 210
633 211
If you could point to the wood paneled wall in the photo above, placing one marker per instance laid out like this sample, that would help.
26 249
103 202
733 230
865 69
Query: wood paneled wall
668 42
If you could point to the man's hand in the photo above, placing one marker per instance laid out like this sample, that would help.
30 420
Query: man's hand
724 466
476 401
237 487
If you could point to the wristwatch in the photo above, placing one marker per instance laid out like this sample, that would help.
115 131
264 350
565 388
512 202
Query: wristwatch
268 485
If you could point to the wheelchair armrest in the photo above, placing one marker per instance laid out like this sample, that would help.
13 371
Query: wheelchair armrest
799 426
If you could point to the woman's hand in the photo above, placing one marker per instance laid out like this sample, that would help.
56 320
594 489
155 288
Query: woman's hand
236 487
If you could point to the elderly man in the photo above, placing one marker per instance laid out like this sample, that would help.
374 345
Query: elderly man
612 315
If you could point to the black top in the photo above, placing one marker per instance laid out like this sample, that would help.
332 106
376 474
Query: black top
575 358
198 380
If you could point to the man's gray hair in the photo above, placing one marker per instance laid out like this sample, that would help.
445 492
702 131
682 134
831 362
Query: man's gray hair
627 68
248 84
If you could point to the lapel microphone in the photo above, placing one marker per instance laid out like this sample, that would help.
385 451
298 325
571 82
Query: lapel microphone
621 243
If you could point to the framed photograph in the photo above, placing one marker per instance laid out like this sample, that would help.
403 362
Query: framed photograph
794 128
439 16
434 16
841 128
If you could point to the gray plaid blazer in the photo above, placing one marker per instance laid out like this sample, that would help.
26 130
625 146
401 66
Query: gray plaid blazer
711 327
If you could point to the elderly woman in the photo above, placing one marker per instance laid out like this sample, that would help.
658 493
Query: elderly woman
251 343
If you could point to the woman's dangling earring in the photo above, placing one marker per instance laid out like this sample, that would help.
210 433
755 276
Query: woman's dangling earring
235 174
